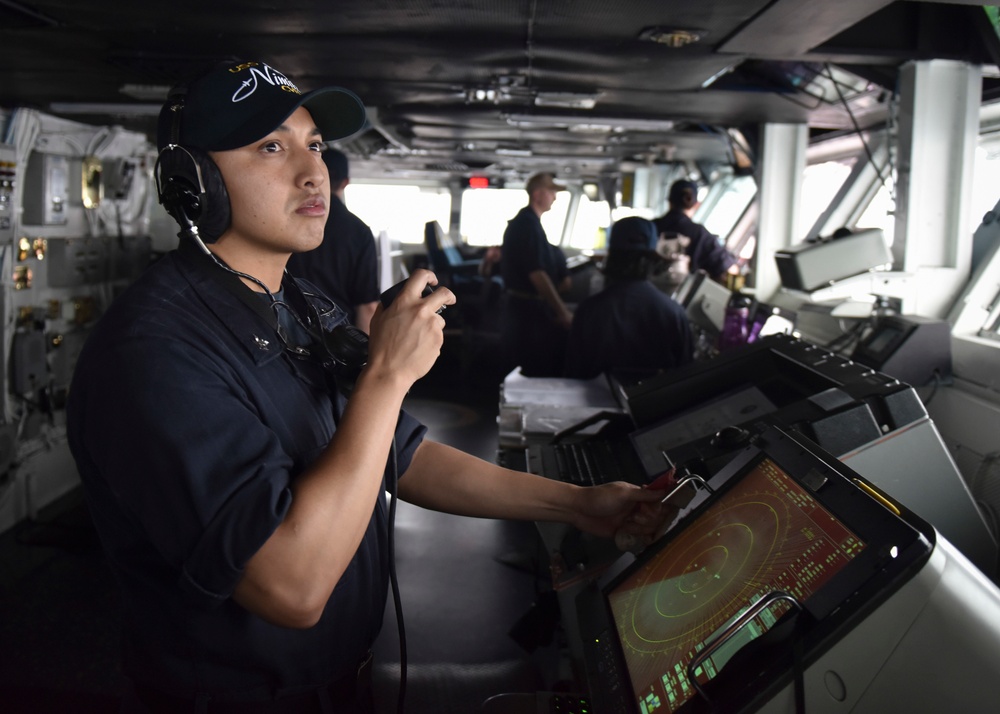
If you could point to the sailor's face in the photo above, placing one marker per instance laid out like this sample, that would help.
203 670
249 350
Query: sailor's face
545 197
279 189
550 195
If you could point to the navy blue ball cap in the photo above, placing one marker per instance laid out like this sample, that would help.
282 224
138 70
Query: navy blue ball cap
633 233
238 102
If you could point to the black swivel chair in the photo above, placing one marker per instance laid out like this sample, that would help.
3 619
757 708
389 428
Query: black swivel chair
463 275
446 260
477 313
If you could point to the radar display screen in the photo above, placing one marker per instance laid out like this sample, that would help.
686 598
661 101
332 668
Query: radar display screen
766 533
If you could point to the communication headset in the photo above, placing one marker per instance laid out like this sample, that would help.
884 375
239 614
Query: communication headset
189 185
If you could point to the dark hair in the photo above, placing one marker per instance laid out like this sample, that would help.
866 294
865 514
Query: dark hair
683 194
686 199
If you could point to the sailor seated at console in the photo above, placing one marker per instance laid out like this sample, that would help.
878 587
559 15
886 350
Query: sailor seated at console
630 328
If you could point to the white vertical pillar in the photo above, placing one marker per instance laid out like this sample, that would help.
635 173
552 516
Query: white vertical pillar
649 190
938 130
386 275
641 195
659 184
781 168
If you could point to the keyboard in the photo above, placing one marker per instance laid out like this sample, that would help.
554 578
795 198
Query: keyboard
585 463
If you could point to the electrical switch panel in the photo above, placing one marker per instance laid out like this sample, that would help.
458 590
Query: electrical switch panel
8 167
45 195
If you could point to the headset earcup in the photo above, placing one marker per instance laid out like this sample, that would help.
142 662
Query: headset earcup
178 185
216 215
191 189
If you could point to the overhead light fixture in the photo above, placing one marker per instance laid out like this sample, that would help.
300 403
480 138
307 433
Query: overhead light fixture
566 100
520 153
480 95
715 77
590 124
590 128
671 36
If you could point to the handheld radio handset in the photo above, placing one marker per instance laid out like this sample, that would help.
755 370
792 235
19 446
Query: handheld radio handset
348 345
390 294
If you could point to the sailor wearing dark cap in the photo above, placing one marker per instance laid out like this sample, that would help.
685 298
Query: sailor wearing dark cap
706 250
235 456
630 328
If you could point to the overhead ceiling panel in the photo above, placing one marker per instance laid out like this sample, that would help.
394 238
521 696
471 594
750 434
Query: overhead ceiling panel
790 28
418 63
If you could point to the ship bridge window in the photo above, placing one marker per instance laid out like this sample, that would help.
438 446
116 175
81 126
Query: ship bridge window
848 183
820 184
590 227
485 212
880 213
735 194
399 210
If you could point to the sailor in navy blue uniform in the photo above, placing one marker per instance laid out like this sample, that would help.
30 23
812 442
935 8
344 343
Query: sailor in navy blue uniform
630 328
236 469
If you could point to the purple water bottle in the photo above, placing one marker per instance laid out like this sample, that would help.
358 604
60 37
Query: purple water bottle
735 325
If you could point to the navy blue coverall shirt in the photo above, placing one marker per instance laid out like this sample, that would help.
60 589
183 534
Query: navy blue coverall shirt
630 328
707 251
188 421
533 340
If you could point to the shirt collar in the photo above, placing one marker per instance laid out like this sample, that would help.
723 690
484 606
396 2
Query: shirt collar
258 338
